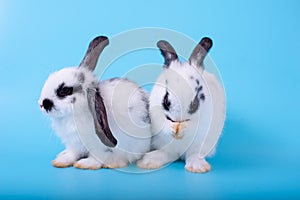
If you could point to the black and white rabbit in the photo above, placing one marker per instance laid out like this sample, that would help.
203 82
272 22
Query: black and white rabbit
114 112
187 111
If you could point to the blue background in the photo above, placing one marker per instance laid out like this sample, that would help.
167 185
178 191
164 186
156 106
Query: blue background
256 48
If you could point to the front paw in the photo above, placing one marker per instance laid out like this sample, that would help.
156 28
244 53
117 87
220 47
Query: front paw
112 164
88 163
64 159
151 161
197 165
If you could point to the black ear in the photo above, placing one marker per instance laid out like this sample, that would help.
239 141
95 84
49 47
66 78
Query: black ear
167 51
200 52
98 111
96 46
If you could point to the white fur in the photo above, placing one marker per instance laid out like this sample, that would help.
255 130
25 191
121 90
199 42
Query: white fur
73 122
200 131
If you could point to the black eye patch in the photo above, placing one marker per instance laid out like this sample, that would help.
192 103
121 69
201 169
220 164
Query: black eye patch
166 102
63 91
195 103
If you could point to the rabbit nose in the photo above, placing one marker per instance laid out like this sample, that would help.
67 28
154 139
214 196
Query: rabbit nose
47 104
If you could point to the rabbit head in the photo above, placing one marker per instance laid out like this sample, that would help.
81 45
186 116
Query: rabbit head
65 87
180 89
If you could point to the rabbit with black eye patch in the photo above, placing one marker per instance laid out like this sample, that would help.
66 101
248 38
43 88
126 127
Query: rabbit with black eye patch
115 110
187 111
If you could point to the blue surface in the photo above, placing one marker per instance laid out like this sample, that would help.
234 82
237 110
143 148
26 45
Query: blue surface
256 48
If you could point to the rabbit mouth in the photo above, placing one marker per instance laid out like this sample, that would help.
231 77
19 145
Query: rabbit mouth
49 111
179 121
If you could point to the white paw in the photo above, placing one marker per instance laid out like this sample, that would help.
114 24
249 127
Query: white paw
64 159
88 163
115 163
198 165
152 160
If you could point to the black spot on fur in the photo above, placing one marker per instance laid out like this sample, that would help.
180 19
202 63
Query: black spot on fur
130 108
202 96
166 103
73 100
81 77
146 102
119 79
78 89
192 77
94 83
113 79
108 150
197 81
198 89
146 117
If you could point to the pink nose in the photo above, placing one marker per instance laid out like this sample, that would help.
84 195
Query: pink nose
41 106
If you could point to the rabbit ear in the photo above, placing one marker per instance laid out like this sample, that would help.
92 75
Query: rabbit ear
97 108
200 52
96 46
167 51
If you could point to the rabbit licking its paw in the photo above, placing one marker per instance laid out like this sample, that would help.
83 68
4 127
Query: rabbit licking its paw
187 111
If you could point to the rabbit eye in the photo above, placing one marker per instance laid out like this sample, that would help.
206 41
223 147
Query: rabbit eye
64 91
166 103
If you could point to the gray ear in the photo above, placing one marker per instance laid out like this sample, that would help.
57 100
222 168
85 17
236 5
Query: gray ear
96 46
200 52
167 51
98 111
